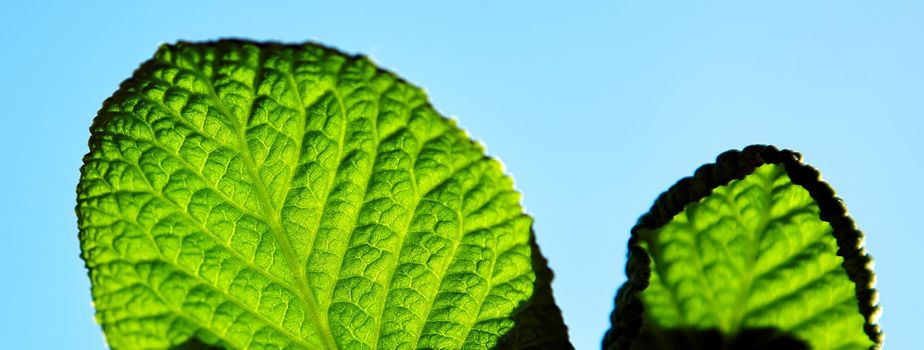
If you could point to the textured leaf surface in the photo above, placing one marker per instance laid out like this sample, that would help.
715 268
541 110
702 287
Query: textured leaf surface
758 252
290 196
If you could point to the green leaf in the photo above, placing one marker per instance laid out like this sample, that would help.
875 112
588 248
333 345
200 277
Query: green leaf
752 252
254 195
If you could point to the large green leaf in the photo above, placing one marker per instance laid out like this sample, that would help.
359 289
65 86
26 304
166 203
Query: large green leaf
752 252
269 196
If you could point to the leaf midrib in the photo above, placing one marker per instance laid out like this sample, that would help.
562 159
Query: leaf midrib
269 210
757 236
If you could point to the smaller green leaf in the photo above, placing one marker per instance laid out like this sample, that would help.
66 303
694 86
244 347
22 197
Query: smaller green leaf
753 252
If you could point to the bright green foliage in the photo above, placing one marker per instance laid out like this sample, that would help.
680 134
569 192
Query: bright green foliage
753 254
267 196
278 196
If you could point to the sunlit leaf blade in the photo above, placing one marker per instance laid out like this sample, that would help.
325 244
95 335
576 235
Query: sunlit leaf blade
269 196
752 252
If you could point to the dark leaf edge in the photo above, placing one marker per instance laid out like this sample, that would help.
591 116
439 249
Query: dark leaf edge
626 319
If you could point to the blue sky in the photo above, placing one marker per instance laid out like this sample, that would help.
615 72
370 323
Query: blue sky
595 108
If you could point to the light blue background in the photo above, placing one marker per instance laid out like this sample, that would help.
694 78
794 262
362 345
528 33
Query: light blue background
594 108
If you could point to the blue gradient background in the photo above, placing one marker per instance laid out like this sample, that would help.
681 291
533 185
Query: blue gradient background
594 108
